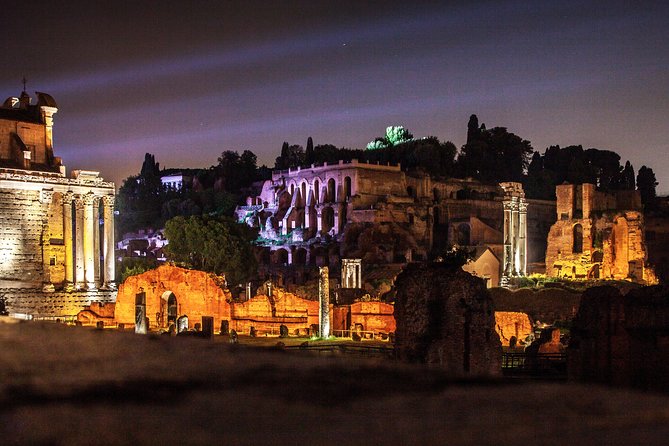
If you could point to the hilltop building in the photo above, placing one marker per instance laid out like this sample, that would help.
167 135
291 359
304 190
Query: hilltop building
57 233
318 215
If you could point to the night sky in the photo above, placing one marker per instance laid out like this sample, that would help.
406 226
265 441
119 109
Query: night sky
187 80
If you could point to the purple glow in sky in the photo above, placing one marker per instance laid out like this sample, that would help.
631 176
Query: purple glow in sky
188 80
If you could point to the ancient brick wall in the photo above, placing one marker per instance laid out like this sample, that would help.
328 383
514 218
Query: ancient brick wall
611 241
445 316
622 340
23 222
267 314
59 304
196 294
510 324
373 316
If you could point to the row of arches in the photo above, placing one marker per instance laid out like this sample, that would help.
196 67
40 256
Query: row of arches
323 192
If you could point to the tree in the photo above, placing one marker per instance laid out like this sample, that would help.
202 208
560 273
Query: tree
291 156
646 183
627 178
493 155
395 135
217 245
309 152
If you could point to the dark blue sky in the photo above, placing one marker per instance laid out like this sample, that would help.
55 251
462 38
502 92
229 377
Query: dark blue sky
187 80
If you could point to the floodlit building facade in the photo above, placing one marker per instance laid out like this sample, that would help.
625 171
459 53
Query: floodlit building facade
56 232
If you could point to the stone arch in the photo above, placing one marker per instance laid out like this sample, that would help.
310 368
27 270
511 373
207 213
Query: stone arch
347 187
303 189
317 189
331 191
577 245
327 219
300 257
280 257
169 299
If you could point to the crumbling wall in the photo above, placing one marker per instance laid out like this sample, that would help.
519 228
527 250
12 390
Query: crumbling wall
510 324
445 316
622 340
267 314
373 316
196 293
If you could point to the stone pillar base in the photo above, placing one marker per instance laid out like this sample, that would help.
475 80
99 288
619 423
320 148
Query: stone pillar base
48 288
69 287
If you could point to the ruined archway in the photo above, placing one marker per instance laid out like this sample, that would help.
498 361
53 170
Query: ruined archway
332 188
327 219
347 187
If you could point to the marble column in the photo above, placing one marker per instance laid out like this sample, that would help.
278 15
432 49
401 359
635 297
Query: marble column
96 240
109 245
89 241
79 242
68 241
507 239
522 241
514 236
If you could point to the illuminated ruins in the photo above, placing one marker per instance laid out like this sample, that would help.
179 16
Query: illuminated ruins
598 235
319 215
55 256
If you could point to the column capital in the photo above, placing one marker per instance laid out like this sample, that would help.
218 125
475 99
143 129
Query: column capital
89 199
79 202
68 196
109 200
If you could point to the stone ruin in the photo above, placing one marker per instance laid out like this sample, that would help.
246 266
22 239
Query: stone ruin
598 235
445 316
622 339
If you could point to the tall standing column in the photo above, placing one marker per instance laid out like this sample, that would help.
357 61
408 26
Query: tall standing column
96 240
323 302
108 247
514 236
507 238
522 241
67 240
89 241
79 242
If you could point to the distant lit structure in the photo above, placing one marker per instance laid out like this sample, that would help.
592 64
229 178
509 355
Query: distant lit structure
52 239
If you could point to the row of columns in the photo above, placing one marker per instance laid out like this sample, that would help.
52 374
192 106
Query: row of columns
515 236
81 233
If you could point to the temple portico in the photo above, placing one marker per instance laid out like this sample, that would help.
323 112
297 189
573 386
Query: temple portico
515 231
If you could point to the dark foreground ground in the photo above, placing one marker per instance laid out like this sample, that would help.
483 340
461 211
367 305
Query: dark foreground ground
72 385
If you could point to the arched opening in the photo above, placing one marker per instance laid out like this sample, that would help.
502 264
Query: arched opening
436 194
317 191
280 257
300 257
304 193
411 192
327 220
578 239
331 196
172 309
292 190
347 187
463 234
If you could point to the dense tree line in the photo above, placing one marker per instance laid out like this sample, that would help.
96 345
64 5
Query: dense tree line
215 244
